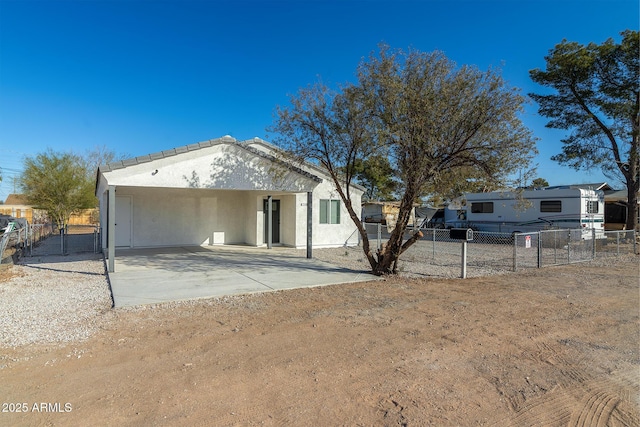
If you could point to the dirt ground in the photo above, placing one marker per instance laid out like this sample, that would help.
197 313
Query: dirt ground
550 347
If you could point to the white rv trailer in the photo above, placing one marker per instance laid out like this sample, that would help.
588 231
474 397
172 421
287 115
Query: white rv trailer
534 210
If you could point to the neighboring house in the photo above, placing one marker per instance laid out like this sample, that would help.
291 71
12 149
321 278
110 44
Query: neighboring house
220 192
602 186
616 209
16 206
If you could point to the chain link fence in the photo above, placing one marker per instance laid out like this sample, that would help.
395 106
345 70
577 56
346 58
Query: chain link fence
618 243
492 253
556 247
46 239
552 247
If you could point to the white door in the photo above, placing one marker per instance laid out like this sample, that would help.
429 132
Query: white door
123 221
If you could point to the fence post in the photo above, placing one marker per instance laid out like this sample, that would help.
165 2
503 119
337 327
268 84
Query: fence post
379 235
61 240
433 240
30 228
539 249
515 252
463 272
569 247
593 246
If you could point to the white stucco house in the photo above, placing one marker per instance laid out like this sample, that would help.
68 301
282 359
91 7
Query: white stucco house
220 192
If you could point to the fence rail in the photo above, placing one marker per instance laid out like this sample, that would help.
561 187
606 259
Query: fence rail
46 239
491 251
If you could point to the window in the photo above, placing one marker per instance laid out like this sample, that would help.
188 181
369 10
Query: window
329 211
551 206
482 207
592 207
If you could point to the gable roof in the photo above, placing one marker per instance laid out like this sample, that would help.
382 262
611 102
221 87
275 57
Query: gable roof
16 199
593 186
241 165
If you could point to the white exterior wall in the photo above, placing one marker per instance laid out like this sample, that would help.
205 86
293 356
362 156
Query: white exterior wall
324 235
300 231
334 235
169 217
253 219
288 219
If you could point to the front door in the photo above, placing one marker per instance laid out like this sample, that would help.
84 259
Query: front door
275 221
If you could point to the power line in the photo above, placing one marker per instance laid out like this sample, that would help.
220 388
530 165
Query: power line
2 169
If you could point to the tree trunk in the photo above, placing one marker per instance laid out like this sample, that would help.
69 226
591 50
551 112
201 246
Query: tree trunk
390 251
356 220
632 206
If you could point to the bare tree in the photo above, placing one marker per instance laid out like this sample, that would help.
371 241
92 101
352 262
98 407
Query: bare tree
332 130
427 115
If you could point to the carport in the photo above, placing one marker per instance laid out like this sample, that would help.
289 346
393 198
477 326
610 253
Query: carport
155 275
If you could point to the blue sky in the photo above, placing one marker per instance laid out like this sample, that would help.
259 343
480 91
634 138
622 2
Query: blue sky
145 76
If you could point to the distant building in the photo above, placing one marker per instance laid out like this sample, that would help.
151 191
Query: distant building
385 213
16 205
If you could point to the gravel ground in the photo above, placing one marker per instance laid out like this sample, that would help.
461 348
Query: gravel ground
53 299
60 299
419 260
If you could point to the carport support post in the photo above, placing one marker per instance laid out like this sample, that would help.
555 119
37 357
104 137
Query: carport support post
309 224
269 223
111 229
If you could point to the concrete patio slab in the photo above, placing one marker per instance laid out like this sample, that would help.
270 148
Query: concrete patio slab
148 276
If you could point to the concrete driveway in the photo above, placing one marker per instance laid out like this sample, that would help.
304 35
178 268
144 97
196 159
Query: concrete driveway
147 276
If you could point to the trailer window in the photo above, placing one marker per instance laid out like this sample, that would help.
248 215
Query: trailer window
592 207
551 206
482 207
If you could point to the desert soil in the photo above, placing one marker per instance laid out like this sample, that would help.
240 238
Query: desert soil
550 347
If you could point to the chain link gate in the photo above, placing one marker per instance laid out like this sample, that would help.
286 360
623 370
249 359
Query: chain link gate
42 239
553 247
